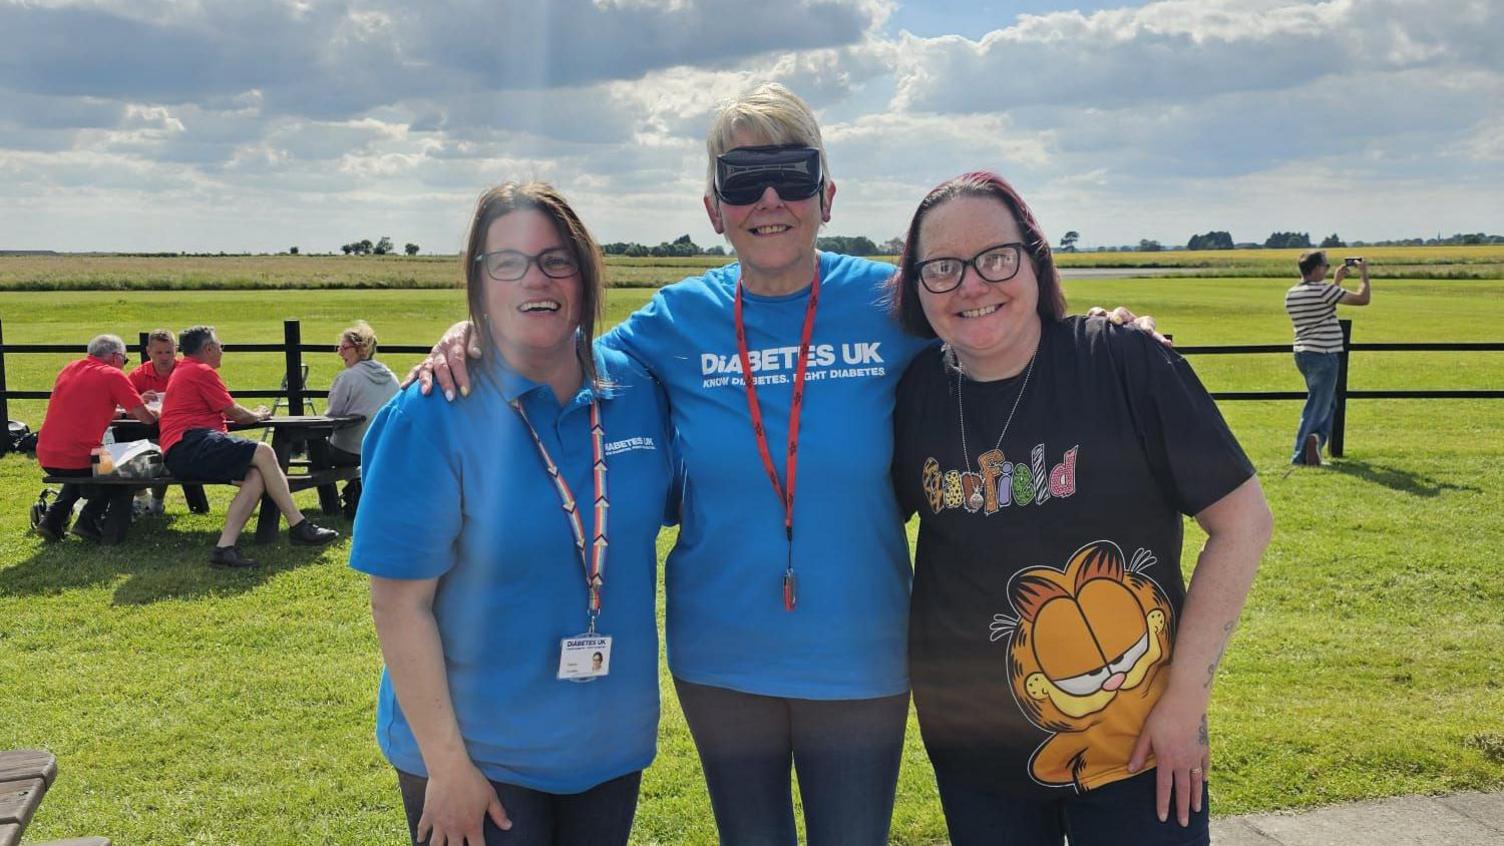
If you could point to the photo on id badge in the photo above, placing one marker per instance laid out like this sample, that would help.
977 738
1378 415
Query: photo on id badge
585 657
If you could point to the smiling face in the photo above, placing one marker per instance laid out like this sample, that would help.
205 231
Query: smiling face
988 324
533 318
773 237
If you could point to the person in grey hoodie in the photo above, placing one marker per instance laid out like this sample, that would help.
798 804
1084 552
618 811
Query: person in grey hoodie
363 387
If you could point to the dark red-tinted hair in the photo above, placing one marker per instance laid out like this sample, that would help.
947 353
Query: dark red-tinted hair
903 288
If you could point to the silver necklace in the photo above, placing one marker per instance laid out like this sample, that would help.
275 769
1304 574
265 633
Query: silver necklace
975 502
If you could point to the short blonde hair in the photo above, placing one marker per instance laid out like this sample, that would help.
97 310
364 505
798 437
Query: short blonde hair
362 337
771 113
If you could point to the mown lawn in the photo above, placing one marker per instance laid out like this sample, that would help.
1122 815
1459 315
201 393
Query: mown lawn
189 705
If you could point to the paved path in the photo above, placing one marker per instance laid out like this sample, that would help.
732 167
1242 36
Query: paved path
1461 819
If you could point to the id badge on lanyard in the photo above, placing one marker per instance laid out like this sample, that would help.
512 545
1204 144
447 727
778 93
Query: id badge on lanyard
587 656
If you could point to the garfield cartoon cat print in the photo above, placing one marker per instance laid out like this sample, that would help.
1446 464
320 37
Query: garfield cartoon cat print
1088 657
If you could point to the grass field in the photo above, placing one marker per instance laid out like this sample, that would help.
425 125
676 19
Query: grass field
188 705
96 272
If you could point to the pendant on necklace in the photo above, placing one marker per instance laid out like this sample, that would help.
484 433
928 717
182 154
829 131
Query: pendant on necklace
974 503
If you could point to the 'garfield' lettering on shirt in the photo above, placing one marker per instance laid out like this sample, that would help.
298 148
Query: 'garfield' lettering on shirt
998 483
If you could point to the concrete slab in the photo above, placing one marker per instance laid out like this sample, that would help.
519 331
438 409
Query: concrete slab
1486 808
1235 831
1405 821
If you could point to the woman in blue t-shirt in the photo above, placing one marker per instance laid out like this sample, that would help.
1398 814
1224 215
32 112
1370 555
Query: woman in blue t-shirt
483 528
1061 669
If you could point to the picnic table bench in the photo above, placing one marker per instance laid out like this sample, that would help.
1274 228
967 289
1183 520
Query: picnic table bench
288 433
25 775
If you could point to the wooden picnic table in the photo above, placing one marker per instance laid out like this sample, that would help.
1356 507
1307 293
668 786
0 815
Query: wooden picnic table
289 433
25 775
311 431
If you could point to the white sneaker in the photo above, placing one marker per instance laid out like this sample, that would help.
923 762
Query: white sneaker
157 509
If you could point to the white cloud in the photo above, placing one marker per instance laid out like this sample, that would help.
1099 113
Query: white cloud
1175 116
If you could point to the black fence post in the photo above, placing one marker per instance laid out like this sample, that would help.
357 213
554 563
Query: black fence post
141 338
1339 406
4 400
292 338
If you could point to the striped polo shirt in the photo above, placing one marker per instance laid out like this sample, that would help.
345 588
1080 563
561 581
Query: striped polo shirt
1313 309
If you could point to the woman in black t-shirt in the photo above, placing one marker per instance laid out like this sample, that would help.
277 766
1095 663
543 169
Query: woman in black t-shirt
1060 668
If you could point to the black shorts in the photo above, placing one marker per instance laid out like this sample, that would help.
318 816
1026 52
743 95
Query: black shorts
207 455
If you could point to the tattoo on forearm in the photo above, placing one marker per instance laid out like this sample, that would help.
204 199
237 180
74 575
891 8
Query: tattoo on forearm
1201 734
1211 669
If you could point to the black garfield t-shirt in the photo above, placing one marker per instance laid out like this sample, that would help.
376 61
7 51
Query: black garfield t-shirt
1047 585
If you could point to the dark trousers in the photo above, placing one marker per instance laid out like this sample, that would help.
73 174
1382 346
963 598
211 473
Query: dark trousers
351 494
1118 814
105 506
846 752
601 816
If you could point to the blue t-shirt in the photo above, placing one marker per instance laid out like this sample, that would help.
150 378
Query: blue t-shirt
457 491
727 626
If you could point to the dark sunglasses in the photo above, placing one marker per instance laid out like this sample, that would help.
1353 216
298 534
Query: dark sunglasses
743 174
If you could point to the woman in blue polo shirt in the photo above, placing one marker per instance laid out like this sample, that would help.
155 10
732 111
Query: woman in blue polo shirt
483 528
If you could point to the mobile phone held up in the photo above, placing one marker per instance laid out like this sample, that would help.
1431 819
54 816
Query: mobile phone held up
1351 261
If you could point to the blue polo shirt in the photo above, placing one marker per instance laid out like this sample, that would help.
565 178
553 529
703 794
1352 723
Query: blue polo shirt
457 492
726 622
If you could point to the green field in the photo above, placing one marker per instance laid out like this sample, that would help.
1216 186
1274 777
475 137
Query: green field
188 705
123 272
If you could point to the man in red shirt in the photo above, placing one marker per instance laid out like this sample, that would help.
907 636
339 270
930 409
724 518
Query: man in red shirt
196 446
150 380
82 405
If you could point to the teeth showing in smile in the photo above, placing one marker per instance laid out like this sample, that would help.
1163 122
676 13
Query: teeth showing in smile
772 229
539 305
980 312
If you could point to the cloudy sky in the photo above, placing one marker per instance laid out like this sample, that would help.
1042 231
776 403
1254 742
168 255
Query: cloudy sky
260 124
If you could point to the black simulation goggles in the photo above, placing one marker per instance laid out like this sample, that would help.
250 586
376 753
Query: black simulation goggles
743 174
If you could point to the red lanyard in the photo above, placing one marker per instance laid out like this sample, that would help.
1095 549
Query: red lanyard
786 497
593 562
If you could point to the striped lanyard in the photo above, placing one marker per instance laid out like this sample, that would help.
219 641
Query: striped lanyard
592 561
785 494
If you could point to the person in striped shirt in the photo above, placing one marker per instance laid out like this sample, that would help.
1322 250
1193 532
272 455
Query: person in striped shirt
1312 306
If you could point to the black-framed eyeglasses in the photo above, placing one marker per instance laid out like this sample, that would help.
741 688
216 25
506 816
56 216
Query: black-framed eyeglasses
997 263
511 265
792 170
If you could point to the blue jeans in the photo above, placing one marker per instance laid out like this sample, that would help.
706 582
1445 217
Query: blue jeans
846 752
600 816
1118 814
1320 371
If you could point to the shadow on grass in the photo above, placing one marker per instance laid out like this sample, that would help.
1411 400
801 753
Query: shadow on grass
1396 479
158 563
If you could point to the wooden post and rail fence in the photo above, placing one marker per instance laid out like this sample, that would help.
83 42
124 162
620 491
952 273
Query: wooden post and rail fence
296 393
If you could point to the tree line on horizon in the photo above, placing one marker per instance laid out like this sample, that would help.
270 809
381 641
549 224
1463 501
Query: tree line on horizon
1222 240
862 246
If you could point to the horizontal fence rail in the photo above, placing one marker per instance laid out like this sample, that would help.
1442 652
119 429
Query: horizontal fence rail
293 349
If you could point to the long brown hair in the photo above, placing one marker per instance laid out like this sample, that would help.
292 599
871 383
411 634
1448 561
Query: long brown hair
903 290
544 198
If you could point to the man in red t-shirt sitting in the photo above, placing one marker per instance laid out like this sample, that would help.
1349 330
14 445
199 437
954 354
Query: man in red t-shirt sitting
83 403
150 380
196 446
